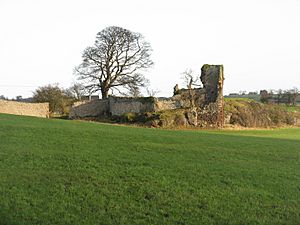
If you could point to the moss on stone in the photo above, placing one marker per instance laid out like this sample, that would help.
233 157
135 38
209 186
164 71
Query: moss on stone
146 99
205 67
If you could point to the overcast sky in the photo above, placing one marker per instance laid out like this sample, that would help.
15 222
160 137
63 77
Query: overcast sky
257 41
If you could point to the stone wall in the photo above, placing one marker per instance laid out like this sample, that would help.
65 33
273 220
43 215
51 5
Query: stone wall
162 104
26 109
93 108
117 106
121 105
183 97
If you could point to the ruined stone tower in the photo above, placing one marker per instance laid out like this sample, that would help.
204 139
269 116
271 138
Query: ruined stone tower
212 78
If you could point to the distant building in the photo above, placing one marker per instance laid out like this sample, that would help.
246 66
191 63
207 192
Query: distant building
90 97
28 100
253 93
233 94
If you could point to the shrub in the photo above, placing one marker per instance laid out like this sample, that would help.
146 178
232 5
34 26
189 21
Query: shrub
129 117
255 114
59 100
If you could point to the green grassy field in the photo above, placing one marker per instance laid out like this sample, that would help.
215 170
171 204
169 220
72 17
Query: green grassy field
73 172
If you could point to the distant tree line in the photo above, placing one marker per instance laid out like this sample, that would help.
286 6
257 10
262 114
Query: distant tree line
280 96
17 98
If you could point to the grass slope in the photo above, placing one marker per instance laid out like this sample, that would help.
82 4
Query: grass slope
72 172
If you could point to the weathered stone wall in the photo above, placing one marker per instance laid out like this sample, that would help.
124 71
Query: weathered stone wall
26 109
119 106
183 97
162 104
93 108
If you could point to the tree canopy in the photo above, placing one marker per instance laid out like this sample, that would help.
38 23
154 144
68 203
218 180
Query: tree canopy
115 61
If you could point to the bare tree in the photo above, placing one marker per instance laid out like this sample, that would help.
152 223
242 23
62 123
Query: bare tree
77 91
279 96
191 81
296 94
134 91
292 95
115 61
152 92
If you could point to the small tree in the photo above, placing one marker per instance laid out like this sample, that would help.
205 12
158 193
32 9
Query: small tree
191 81
264 96
19 98
294 95
2 97
134 91
77 91
115 61
152 92
279 96
291 96
58 99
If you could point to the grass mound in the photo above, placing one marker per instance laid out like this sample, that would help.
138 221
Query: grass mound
250 113
74 172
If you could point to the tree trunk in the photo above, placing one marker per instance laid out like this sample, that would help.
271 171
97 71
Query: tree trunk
104 93
191 93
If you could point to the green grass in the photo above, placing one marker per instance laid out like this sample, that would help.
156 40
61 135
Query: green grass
72 172
292 108
238 99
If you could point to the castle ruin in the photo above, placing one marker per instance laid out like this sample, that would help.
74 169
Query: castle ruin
207 109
